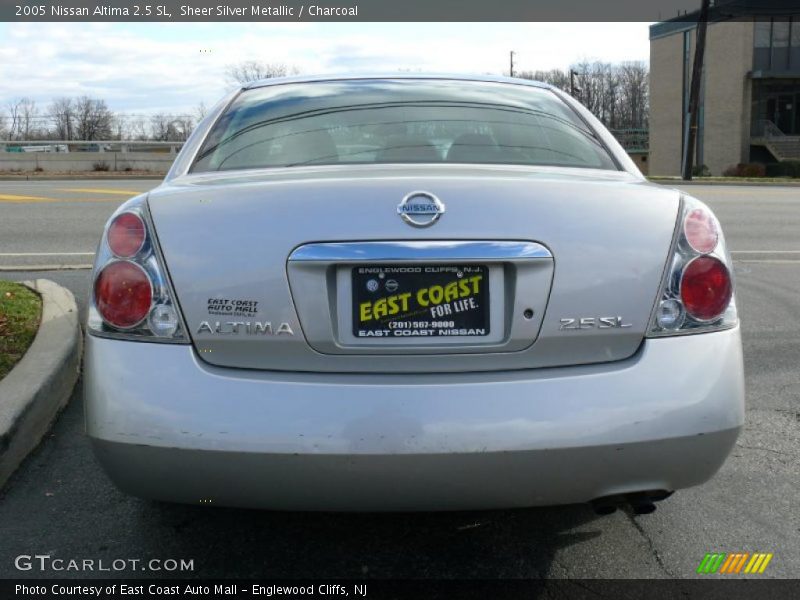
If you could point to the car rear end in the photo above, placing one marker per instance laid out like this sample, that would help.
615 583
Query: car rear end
410 294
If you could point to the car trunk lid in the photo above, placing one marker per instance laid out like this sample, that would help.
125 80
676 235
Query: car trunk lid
265 265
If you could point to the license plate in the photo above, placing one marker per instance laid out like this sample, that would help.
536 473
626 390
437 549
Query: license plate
426 301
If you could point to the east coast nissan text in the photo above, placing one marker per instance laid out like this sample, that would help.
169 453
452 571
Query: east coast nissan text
410 293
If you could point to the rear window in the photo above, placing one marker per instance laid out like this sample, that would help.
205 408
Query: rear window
399 121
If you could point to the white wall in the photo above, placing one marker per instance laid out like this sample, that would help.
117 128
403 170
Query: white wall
85 161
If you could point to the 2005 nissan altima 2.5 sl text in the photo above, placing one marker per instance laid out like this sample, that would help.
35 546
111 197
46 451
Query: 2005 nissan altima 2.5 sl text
410 293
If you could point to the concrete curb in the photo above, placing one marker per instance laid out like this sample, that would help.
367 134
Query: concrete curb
40 385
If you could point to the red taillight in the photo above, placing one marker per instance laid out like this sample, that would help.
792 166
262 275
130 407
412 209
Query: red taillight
701 231
123 294
696 294
126 235
132 298
706 288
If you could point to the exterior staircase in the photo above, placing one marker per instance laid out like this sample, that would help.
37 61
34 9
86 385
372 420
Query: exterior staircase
783 147
786 148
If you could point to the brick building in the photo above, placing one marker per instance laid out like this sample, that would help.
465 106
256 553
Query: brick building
750 92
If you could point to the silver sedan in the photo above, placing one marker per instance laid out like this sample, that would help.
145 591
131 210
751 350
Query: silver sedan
411 293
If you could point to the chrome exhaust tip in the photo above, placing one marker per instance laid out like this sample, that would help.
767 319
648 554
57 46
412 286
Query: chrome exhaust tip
641 503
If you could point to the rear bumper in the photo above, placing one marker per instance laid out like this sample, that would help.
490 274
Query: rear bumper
168 426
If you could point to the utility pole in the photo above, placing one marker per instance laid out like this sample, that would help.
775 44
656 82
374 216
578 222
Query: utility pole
573 91
511 64
690 120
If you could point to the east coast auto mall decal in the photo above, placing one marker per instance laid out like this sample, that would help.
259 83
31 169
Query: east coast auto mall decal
232 307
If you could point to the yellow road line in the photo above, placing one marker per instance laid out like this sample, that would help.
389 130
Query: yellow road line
102 191
13 198
8 198
89 200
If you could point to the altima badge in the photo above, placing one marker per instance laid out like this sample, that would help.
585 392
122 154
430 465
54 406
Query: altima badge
246 327
420 209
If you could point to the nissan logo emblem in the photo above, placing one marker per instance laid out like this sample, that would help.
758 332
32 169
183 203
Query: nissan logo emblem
420 209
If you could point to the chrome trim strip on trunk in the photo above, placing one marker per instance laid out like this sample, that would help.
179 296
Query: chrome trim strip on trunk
419 250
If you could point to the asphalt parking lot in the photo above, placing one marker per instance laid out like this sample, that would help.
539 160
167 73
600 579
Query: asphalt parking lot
60 503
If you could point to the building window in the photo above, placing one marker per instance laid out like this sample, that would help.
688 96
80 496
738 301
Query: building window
777 44
763 33
763 45
780 46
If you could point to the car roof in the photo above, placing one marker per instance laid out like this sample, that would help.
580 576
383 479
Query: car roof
395 76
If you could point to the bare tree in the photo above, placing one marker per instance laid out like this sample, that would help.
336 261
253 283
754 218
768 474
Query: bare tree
28 114
119 129
160 127
93 119
183 125
14 119
617 94
201 111
62 115
137 129
634 94
171 128
555 77
253 70
591 79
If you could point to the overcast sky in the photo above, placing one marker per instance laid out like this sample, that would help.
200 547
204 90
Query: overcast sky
149 67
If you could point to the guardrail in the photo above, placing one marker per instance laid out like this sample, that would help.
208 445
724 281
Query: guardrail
67 156
100 146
